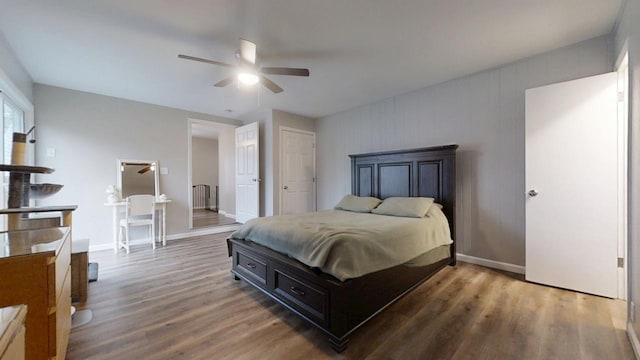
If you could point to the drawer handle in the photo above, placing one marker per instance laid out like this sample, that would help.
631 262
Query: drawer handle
251 265
296 291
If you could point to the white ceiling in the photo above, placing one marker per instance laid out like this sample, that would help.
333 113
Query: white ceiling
358 51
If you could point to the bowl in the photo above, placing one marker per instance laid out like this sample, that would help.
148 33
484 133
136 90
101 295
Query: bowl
41 191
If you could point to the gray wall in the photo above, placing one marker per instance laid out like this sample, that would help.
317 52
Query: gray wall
14 69
629 30
90 132
484 114
204 168
205 161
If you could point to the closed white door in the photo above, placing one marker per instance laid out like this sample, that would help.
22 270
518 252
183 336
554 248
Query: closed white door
247 170
298 188
571 185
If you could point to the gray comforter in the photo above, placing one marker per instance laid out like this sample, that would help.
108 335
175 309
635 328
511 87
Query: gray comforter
348 244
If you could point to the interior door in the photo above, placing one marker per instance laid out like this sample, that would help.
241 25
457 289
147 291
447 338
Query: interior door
247 170
298 192
571 184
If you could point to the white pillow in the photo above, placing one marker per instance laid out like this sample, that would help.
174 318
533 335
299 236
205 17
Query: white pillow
434 209
416 207
357 203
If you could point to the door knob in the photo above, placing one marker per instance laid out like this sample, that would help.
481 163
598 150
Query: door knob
532 193
286 187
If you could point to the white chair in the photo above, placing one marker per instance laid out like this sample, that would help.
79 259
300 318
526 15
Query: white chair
141 211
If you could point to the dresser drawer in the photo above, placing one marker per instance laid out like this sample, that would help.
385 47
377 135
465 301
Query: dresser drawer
309 299
252 267
63 318
63 263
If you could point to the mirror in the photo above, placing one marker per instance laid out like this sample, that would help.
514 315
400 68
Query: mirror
136 177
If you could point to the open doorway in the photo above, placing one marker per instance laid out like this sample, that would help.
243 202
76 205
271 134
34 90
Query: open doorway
210 171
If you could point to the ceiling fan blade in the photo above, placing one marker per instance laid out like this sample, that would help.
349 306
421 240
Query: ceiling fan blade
224 82
144 170
248 51
284 71
270 85
213 62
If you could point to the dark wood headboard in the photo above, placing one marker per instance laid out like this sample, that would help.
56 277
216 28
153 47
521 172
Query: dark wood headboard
425 172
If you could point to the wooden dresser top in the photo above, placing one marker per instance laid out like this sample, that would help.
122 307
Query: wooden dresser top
30 242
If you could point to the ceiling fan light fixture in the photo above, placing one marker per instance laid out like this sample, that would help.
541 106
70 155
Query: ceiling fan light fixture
248 78
247 71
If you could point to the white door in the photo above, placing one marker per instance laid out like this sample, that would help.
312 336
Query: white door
247 170
298 188
571 184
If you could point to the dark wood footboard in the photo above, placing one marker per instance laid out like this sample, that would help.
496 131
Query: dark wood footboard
335 307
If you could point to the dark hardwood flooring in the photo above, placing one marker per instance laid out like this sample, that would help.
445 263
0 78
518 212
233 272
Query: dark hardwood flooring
180 302
207 218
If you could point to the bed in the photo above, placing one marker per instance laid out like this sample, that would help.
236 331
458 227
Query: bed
337 307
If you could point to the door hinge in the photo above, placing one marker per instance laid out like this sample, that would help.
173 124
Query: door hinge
620 262
620 96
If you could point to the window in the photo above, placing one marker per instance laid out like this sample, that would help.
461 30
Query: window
12 121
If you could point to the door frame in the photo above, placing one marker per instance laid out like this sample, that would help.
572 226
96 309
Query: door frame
282 129
622 68
190 124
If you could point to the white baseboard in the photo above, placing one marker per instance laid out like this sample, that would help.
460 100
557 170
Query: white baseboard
491 263
635 344
109 245
222 212
208 231
101 247
172 237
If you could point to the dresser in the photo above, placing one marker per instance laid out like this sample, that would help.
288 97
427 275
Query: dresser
35 268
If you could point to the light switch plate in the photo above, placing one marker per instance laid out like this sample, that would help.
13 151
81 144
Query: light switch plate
164 171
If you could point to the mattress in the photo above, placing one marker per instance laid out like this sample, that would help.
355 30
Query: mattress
348 244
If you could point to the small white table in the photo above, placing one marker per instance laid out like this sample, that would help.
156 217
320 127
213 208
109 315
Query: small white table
117 208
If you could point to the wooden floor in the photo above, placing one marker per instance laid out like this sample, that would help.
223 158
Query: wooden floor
206 218
180 302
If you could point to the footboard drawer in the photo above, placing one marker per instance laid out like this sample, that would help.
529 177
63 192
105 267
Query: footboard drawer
251 266
309 299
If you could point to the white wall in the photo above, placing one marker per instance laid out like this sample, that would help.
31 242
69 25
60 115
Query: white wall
629 30
10 64
484 114
90 132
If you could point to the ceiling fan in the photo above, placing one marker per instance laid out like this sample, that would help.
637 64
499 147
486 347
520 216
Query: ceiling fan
247 71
